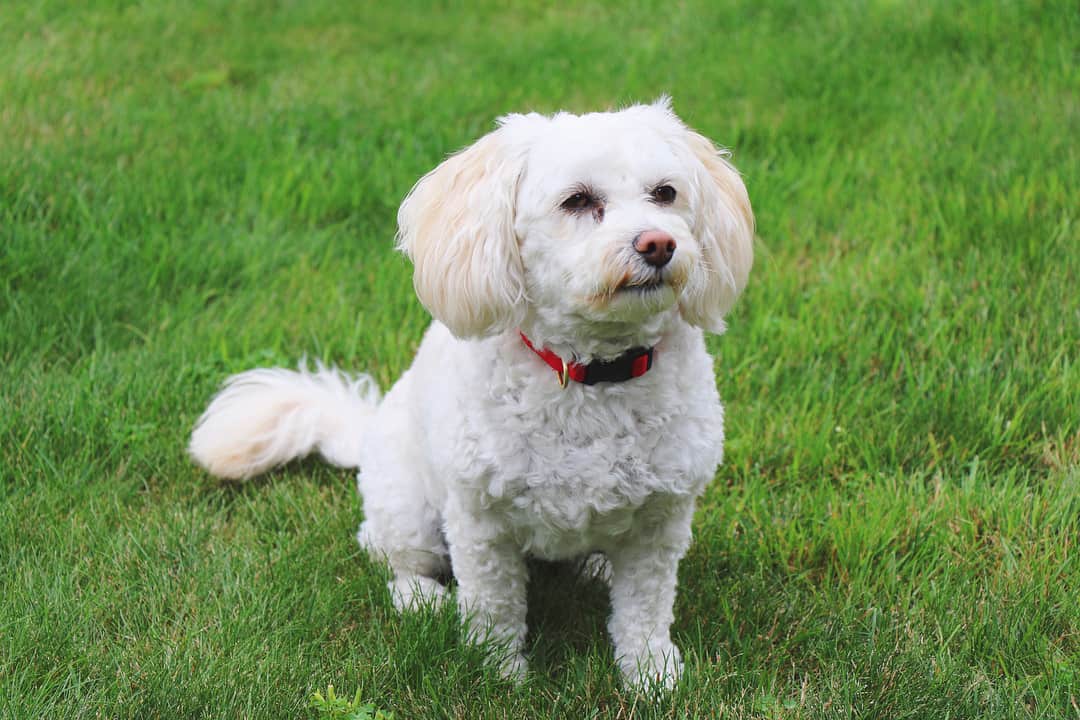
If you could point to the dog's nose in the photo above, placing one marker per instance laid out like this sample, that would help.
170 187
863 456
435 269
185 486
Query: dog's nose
655 246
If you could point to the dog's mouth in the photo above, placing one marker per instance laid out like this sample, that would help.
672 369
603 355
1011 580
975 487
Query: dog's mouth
629 283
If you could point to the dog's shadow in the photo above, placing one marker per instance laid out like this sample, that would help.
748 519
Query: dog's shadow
224 494
567 616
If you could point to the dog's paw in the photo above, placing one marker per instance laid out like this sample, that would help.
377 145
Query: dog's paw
656 670
415 592
514 667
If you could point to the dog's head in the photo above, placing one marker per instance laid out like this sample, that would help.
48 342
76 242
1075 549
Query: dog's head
603 219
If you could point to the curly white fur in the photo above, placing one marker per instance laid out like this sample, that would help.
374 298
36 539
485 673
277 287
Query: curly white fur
476 458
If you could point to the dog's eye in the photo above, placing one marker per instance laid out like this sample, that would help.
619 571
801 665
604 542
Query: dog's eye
664 195
579 201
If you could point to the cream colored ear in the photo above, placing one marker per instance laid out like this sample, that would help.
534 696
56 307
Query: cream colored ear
457 227
724 225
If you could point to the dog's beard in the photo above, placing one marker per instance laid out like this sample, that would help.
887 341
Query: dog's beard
629 285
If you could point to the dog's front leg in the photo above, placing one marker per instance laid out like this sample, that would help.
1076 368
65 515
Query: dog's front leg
644 572
492 577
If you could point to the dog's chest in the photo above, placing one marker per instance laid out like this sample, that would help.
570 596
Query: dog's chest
575 493
568 477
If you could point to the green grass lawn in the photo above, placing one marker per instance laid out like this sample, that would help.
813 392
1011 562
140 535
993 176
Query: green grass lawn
192 189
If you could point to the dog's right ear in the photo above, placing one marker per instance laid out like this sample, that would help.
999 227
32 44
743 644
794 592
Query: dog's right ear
457 227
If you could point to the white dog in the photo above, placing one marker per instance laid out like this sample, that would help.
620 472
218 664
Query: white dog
562 403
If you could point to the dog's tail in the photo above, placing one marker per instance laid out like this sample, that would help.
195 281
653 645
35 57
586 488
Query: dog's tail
264 418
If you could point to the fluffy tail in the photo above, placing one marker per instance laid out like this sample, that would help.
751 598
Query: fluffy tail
264 418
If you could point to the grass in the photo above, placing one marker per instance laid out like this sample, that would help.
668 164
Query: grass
191 190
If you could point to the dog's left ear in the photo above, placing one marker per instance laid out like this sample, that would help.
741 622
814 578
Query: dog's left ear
457 227
724 225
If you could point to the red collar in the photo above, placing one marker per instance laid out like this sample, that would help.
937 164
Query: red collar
631 364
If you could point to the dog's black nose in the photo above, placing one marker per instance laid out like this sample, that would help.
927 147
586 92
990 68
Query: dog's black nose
655 246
